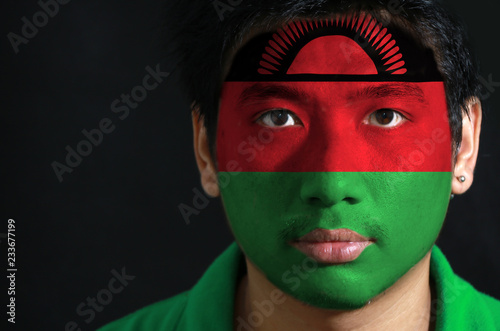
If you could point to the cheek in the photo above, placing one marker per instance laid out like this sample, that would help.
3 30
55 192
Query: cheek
258 207
257 148
411 206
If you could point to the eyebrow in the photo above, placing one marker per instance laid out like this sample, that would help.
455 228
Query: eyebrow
390 90
261 91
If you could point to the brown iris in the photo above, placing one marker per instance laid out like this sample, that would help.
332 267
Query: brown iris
279 117
384 116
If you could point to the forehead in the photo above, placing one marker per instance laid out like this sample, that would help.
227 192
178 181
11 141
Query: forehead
345 48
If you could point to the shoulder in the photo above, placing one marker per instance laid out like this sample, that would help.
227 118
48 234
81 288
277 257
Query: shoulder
459 306
162 315
207 306
473 308
484 310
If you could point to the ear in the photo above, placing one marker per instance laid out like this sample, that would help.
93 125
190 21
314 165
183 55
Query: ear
203 157
469 148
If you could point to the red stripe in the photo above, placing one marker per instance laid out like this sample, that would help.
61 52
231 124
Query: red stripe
333 136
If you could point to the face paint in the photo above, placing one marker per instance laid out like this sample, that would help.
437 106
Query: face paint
311 138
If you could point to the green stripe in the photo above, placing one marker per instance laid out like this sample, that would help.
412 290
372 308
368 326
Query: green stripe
404 211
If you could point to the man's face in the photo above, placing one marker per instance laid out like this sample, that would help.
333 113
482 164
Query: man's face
372 158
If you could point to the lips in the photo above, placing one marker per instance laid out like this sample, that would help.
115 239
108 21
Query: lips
332 246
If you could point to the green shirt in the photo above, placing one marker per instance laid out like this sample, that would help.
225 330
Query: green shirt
209 304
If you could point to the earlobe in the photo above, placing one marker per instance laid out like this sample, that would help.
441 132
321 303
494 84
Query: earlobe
203 156
463 172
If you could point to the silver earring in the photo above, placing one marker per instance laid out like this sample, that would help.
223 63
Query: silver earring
452 196
461 179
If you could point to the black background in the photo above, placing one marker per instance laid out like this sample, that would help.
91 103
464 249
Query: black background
119 207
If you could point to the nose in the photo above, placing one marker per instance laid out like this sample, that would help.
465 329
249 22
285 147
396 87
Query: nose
326 189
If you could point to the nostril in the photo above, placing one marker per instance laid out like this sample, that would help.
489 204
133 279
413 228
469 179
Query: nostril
315 200
351 200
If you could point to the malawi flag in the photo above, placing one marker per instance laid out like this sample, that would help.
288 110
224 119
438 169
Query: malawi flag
335 123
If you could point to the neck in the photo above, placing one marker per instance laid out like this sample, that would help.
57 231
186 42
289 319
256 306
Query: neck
406 305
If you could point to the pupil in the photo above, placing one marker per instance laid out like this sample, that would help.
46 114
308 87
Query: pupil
279 117
384 116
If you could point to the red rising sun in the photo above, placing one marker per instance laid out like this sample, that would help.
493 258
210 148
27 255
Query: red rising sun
332 55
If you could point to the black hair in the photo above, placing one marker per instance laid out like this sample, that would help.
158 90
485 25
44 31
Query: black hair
201 36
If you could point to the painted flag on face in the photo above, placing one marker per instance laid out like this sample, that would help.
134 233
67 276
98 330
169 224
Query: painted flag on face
334 124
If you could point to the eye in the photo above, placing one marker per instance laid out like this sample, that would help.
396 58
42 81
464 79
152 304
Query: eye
387 118
279 118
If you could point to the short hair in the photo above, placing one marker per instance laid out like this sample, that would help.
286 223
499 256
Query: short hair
200 35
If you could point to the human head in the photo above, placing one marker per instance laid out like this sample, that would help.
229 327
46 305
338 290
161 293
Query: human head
203 41
263 221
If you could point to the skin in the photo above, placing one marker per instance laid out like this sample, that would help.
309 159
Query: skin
404 306
406 300
401 211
